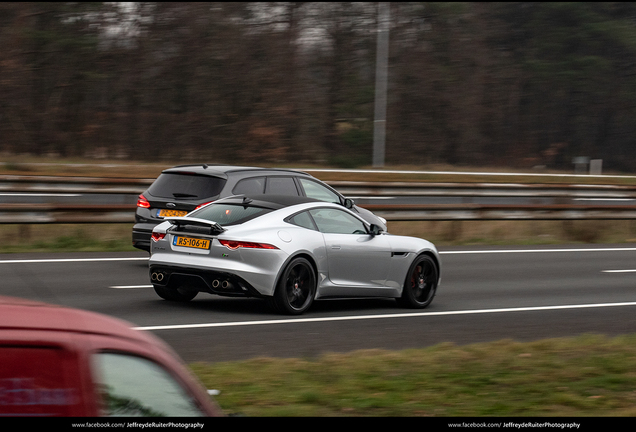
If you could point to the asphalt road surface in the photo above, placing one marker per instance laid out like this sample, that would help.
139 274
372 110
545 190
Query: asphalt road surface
486 294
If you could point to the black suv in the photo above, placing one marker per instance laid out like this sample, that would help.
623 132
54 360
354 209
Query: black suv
181 189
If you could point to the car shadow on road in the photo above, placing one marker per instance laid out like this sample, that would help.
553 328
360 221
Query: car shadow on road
255 306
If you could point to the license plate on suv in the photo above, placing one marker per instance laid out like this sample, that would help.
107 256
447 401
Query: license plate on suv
191 242
171 213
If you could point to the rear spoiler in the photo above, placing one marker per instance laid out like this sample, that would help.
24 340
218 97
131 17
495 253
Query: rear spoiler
182 222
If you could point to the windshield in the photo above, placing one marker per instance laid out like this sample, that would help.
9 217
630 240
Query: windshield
186 186
228 214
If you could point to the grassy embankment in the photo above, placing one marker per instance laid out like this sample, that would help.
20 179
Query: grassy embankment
590 375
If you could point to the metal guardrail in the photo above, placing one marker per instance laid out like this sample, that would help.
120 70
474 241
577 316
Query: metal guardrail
60 213
33 184
348 188
124 213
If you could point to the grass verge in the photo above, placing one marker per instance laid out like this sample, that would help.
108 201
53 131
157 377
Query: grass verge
66 238
590 375
117 237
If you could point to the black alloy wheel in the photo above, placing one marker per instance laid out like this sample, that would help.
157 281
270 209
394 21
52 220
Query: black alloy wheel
420 285
296 288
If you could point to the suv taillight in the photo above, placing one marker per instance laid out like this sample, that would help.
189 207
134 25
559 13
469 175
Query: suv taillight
202 205
142 202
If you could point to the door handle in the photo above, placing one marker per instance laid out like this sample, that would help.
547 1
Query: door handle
335 247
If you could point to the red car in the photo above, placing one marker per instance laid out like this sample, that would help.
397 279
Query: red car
58 361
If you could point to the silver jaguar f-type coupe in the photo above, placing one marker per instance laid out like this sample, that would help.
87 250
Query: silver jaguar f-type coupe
289 251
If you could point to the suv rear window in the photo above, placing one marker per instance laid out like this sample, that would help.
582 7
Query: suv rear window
229 214
186 186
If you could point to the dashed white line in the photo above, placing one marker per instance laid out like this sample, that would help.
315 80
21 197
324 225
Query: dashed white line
130 286
460 252
619 271
385 316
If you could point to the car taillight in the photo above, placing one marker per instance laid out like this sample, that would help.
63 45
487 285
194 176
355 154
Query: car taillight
142 202
202 205
235 244
157 236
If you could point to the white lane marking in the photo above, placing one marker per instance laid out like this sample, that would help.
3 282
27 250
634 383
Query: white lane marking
370 317
618 271
467 252
130 286
67 260
496 251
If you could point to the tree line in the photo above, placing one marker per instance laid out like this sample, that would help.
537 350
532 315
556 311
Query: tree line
518 84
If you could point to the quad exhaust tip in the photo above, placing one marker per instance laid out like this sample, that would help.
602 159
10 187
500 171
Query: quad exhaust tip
157 277
223 284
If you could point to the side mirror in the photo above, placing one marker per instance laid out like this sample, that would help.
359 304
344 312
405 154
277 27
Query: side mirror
348 203
375 230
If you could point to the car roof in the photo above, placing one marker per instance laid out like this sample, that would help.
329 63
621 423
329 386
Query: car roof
226 170
269 201
22 314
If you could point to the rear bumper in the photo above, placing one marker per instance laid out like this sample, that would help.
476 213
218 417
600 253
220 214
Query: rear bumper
209 281
141 233
251 272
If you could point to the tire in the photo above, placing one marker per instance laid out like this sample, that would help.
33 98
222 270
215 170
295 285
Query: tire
420 284
171 294
296 288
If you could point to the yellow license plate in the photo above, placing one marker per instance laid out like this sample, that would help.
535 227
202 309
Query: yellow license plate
171 213
191 242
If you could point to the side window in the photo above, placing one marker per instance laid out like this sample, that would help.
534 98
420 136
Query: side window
250 186
317 191
303 220
135 386
334 221
281 186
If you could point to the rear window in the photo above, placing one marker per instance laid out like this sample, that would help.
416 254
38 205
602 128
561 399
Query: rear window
34 382
186 186
229 214
281 186
250 186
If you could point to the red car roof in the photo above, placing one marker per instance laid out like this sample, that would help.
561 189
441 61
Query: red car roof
33 315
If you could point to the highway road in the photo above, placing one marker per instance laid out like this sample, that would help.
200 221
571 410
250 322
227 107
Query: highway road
486 294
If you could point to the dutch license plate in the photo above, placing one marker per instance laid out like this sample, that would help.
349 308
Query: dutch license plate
191 242
171 213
